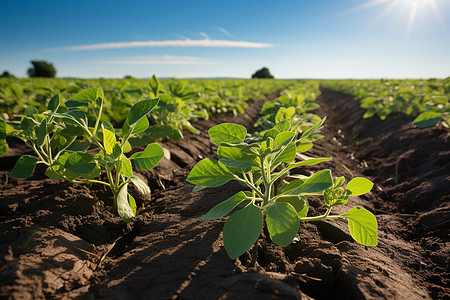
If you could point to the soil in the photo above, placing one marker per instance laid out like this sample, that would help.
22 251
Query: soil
58 241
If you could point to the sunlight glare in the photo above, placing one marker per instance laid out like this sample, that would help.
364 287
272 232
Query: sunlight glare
415 7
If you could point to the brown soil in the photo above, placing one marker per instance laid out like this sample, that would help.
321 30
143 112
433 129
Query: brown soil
58 241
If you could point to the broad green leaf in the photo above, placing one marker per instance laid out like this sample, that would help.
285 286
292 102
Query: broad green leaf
300 204
222 209
72 103
287 155
80 163
227 133
140 110
109 140
132 203
359 185
41 132
284 113
79 146
126 147
24 166
283 138
125 167
30 111
3 147
107 125
236 158
209 173
283 126
76 116
362 225
140 185
60 169
316 184
304 146
242 230
89 95
54 103
427 119
149 158
282 222
95 173
123 205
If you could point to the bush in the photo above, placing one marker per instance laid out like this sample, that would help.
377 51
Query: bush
41 68
262 73
7 75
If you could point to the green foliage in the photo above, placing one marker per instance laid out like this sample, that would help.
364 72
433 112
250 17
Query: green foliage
263 73
6 74
42 68
275 195
70 139
427 100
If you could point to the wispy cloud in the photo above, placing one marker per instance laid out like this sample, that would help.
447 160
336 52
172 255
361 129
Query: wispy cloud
204 35
158 60
224 31
169 43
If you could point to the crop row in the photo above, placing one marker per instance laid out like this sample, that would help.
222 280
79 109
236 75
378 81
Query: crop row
76 144
427 100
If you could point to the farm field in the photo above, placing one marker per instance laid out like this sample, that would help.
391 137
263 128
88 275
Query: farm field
60 240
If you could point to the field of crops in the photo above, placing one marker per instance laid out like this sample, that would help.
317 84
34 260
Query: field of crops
224 189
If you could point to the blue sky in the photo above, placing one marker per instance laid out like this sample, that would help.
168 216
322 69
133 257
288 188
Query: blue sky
294 39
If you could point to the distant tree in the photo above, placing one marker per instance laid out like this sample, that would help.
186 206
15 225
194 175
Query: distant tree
262 73
7 75
128 77
41 68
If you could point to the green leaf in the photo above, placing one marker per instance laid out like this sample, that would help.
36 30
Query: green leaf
313 129
123 205
30 111
109 140
140 185
24 166
54 103
3 147
242 230
107 125
236 158
209 173
227 133
222 209
304 146
300 203
287 155
132 203
283 138
310 162
427 119
148 158
41 132
89 95
154 85
282 222
80 163
362 225
359 185
72 103
316 184
140 110
125 167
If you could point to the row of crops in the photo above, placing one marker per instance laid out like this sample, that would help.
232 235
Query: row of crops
77 141
426 100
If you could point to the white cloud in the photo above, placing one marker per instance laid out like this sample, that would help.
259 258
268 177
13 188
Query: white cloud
170 43
224 31
158 60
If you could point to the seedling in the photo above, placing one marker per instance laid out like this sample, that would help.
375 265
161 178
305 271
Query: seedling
75 145
263 168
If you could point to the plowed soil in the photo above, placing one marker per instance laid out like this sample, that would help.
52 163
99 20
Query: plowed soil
58 241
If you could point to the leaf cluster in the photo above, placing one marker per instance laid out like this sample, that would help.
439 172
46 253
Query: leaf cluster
274 196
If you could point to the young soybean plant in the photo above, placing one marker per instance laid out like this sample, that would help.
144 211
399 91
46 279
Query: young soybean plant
62 138
262 167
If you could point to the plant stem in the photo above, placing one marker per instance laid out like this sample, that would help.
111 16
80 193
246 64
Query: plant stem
324 216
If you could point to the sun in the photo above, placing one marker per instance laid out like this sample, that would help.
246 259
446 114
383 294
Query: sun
413 6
